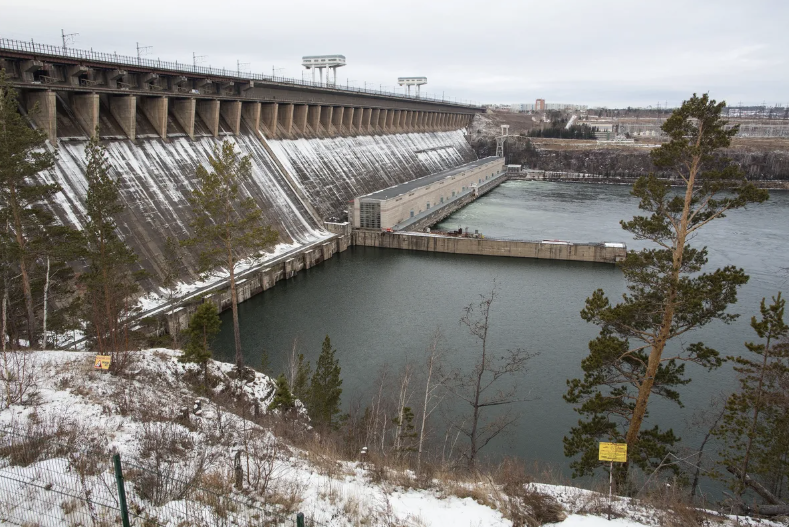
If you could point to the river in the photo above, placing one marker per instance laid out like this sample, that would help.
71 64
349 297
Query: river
380 306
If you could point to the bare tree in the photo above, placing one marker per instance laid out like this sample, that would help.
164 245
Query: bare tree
373 424
435 379
403 396
480 387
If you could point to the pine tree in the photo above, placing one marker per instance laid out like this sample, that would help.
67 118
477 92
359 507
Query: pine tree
667 297
301 382
325 388
203 327
407 433
227 227
27 225
108 281
754 423
283 399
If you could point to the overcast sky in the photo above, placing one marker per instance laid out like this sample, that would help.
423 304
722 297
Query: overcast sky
602 52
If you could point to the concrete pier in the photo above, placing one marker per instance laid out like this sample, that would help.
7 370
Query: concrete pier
231 113
184 112
124 110
86 110
46 117
579 252
209 113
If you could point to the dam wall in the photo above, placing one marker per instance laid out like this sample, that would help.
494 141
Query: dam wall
296 183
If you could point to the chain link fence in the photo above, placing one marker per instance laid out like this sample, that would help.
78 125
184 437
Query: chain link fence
46 481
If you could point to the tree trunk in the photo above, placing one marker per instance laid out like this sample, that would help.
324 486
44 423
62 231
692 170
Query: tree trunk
234 302
645 388
756 409
26 290
46 298
424 414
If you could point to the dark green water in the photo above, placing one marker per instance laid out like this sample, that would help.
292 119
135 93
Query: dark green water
380 306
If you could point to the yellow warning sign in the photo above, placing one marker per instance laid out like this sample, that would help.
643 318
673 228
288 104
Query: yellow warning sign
613 452
102 362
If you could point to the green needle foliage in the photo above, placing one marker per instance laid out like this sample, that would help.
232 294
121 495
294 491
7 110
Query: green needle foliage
283 399
108 282
227 226
668 294
325 388
29 232
203 327
756 420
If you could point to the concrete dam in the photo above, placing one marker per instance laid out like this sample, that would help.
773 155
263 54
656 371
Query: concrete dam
313 150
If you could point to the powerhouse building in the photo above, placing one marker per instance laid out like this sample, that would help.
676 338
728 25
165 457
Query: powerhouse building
396 206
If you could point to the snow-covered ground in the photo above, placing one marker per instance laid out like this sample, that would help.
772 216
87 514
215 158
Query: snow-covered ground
142 416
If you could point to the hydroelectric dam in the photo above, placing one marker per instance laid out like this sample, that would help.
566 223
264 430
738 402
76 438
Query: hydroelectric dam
314 148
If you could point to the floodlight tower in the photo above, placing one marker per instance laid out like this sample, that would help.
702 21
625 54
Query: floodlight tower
319 62
412 81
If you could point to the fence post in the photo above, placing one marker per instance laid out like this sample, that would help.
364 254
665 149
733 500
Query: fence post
116 459
300 519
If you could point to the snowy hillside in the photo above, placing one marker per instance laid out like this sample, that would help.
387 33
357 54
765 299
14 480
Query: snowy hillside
160 420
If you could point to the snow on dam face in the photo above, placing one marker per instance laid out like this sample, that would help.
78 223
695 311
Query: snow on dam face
156 177
335 171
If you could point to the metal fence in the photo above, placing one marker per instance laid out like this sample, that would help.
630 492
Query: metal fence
45 481
181 67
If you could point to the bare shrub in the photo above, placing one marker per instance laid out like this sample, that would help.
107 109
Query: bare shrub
19 376
170 463
260 457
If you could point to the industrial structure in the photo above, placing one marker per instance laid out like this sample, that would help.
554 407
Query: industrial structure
321 62
412 81
427 198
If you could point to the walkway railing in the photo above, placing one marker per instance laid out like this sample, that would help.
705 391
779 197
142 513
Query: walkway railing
181 67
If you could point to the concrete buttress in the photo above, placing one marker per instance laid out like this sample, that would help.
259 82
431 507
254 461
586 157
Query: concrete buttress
337 115
286 117
326 115
347 118
314 117
300 117
184 112
250 113
46 118
155 109
86 109
231 112
124 110
209 113
269 114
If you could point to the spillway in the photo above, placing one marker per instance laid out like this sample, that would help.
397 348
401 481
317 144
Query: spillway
334 171
156 177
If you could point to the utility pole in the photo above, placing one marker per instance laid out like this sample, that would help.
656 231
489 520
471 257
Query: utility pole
142 50
67 38
197 58
239 64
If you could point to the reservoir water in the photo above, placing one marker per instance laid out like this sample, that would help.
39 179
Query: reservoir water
380 306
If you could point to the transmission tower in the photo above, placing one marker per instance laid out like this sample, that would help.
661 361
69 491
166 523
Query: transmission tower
500 140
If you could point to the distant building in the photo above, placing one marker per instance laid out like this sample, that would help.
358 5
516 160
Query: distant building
526 107
539 105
